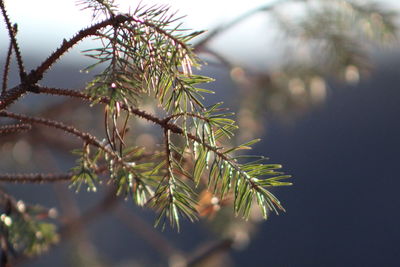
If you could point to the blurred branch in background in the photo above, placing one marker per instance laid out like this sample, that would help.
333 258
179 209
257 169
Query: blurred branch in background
320 40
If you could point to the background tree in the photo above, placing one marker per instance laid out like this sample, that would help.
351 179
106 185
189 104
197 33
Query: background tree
145 59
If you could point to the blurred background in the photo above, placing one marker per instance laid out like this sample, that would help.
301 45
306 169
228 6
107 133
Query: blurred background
316 80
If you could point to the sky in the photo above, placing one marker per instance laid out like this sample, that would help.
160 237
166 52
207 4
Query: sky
40 19
44 23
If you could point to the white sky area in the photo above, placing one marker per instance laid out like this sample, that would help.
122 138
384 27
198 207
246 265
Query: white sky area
44 23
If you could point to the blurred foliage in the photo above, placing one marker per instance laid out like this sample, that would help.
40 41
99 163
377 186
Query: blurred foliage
25 229
317 41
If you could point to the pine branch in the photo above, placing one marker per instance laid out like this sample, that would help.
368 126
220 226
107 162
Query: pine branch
148 56
66 45
28 233
104 205
69 229
244 184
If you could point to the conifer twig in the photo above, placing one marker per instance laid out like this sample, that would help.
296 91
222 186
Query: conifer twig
66 45
164 123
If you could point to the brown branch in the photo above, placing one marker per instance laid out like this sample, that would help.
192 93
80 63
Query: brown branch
72 93
11 34
109 201
11 95
35 178
164 123
7 64
86 137
6 70
14 128
42 177
66 45
221 246
28 82
55 124
146 232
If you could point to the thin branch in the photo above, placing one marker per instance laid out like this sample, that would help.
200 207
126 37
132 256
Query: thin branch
109 201
164 123
38 178
223 28
35 178
6 69
147 233
12 95
14 128
58 125
7 64
72 93
90 31
221 246
10 28
87 137
28 84
66 45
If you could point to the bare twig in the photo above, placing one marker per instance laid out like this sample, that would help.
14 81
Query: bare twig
7 64
146 232
58 125
11 33
220 246
109 201
6 129
12 95
35 178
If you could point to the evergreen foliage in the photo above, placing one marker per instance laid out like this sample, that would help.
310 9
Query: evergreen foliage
147 55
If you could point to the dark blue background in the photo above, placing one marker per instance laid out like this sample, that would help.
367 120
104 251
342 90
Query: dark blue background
343 209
